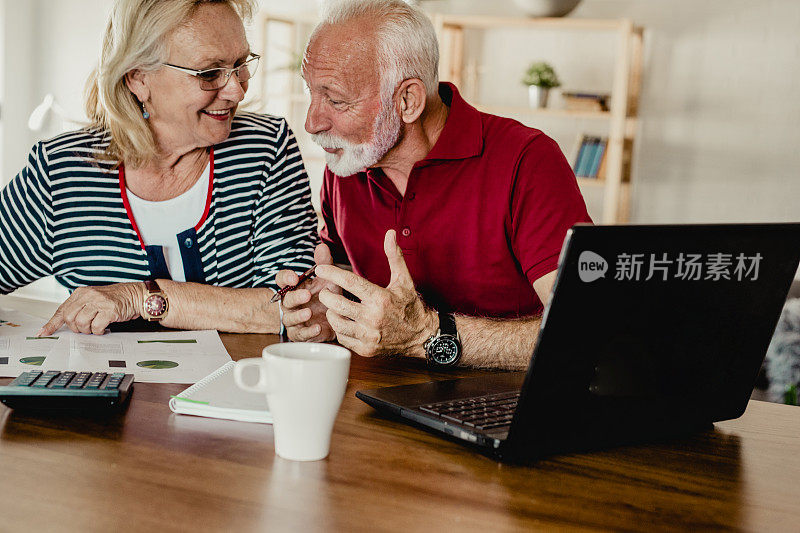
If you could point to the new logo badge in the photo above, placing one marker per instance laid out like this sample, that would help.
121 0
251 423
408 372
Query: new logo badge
591 266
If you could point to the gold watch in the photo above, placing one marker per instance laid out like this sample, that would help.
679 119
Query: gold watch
156 305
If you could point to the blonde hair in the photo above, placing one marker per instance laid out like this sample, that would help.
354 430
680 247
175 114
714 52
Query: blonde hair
136 38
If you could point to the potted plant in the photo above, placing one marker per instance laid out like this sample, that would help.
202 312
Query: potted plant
540 78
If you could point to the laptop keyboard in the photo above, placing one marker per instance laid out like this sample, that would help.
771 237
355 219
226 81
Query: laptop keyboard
492 413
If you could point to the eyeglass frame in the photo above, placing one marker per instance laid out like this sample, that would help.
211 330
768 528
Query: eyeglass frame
227 72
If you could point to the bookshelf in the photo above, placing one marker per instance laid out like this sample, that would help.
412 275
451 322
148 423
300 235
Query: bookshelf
280 90
454 33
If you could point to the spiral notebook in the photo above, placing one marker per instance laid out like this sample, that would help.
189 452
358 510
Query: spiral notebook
218 396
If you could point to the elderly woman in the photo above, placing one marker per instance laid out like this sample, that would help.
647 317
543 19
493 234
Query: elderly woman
169 205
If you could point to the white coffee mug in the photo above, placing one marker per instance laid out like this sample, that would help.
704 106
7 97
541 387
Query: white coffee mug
304 383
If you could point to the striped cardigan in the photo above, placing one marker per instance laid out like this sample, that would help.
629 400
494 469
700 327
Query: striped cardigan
66 213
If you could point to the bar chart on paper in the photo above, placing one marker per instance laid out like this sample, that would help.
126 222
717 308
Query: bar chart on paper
161 357
155 357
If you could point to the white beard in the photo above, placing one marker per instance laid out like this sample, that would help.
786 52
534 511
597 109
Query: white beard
357 157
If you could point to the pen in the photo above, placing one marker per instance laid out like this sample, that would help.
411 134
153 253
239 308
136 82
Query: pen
308 274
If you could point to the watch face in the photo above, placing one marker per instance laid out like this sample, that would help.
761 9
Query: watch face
155 305
444 350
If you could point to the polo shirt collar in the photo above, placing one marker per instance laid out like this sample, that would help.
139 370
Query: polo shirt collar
462 135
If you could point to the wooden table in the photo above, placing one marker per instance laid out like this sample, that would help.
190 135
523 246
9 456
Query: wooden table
147 469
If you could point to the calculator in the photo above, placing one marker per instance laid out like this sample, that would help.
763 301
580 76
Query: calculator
53 389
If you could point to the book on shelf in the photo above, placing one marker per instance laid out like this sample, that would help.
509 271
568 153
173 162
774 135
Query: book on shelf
585 101
590 157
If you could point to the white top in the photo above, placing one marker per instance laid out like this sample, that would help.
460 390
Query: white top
160 222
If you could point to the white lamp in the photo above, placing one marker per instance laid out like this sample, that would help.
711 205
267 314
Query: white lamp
39 114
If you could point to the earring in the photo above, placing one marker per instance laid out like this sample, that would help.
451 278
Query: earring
145 114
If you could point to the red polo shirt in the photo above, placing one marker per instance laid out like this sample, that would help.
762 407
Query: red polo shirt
484 215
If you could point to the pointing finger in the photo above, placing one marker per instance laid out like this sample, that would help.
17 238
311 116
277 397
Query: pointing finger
52 325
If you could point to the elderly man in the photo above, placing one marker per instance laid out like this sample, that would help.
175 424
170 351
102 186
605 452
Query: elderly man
452 220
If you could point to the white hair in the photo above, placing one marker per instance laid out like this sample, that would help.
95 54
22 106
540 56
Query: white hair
407 44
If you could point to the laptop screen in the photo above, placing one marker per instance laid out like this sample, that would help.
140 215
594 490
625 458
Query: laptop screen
654 322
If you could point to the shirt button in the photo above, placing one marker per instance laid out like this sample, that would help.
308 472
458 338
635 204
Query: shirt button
188 242
406 232
411 196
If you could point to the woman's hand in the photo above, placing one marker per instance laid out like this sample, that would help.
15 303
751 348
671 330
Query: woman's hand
303 313
92 309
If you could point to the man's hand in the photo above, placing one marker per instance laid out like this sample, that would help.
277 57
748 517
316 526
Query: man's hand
92 309
303 313
391 320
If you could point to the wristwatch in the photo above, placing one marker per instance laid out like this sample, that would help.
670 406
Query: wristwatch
443 348
156 305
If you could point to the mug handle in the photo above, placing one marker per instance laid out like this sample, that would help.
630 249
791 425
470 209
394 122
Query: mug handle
261 386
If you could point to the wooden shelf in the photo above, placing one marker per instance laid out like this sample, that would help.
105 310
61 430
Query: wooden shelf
590 182
620 120
565 23
631 123
504 110
596 182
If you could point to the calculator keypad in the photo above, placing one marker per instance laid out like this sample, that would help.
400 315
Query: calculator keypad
53 379
67 390
79 380
27 378
62 380
96 380
45 379
114 380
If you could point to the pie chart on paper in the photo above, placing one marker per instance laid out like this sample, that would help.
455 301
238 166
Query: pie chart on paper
156 364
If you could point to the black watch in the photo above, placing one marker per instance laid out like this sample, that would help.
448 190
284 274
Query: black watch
443 348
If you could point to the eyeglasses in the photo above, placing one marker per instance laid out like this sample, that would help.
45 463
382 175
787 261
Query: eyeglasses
212 79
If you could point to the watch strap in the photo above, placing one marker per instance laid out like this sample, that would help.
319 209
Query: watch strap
447 324
152 286
447 329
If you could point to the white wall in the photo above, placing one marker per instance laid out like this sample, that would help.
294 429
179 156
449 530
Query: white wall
50 46
18 84
720 109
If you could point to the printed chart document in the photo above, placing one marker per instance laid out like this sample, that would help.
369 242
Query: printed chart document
154 357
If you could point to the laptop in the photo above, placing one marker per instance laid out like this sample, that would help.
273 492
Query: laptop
652 332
